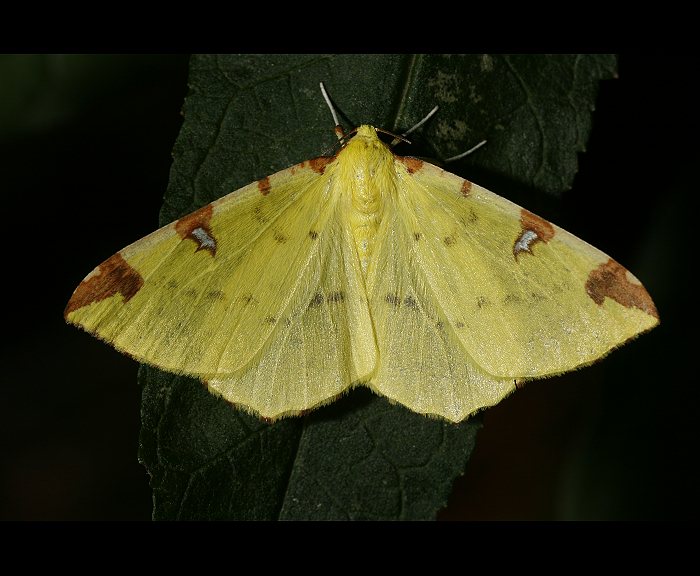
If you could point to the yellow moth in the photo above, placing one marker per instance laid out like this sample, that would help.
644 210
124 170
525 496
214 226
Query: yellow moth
364 268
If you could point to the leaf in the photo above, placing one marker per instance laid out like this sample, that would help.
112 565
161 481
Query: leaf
249 116
359 458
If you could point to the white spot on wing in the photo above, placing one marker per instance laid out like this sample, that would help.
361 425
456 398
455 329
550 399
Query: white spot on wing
523 243
205 241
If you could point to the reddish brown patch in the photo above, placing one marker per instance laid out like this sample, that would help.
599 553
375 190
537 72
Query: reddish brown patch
319 164
264 185
610 279
413 164
197 219
530 222
187 225
466 188
113 276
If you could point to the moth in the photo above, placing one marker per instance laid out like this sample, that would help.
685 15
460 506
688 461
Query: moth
363 268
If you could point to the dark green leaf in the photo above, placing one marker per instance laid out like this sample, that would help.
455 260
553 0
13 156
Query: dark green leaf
249 116
360 457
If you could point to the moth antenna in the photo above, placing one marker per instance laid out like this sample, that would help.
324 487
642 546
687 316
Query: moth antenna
338 128
396 139
463 154
428 117
416 126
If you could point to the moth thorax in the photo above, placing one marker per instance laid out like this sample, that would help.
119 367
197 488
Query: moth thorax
367 200
372 182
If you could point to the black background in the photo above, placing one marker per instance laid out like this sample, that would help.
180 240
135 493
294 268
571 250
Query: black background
83 171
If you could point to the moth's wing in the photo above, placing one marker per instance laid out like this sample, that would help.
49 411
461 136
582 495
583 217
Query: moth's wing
524 297
422 364
204 295
323 341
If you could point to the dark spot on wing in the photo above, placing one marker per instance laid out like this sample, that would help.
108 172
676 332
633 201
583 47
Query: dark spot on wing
337 296
393 299
259 216
417 236
538 297
410 302
313 234
279 237
216 295
512 299
472 218
317 300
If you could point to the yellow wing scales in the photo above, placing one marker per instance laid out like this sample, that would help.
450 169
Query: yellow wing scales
322 344
201 311
515 287
365 268
422 364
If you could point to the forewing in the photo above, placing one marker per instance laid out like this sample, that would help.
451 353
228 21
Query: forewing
203 295
524 297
